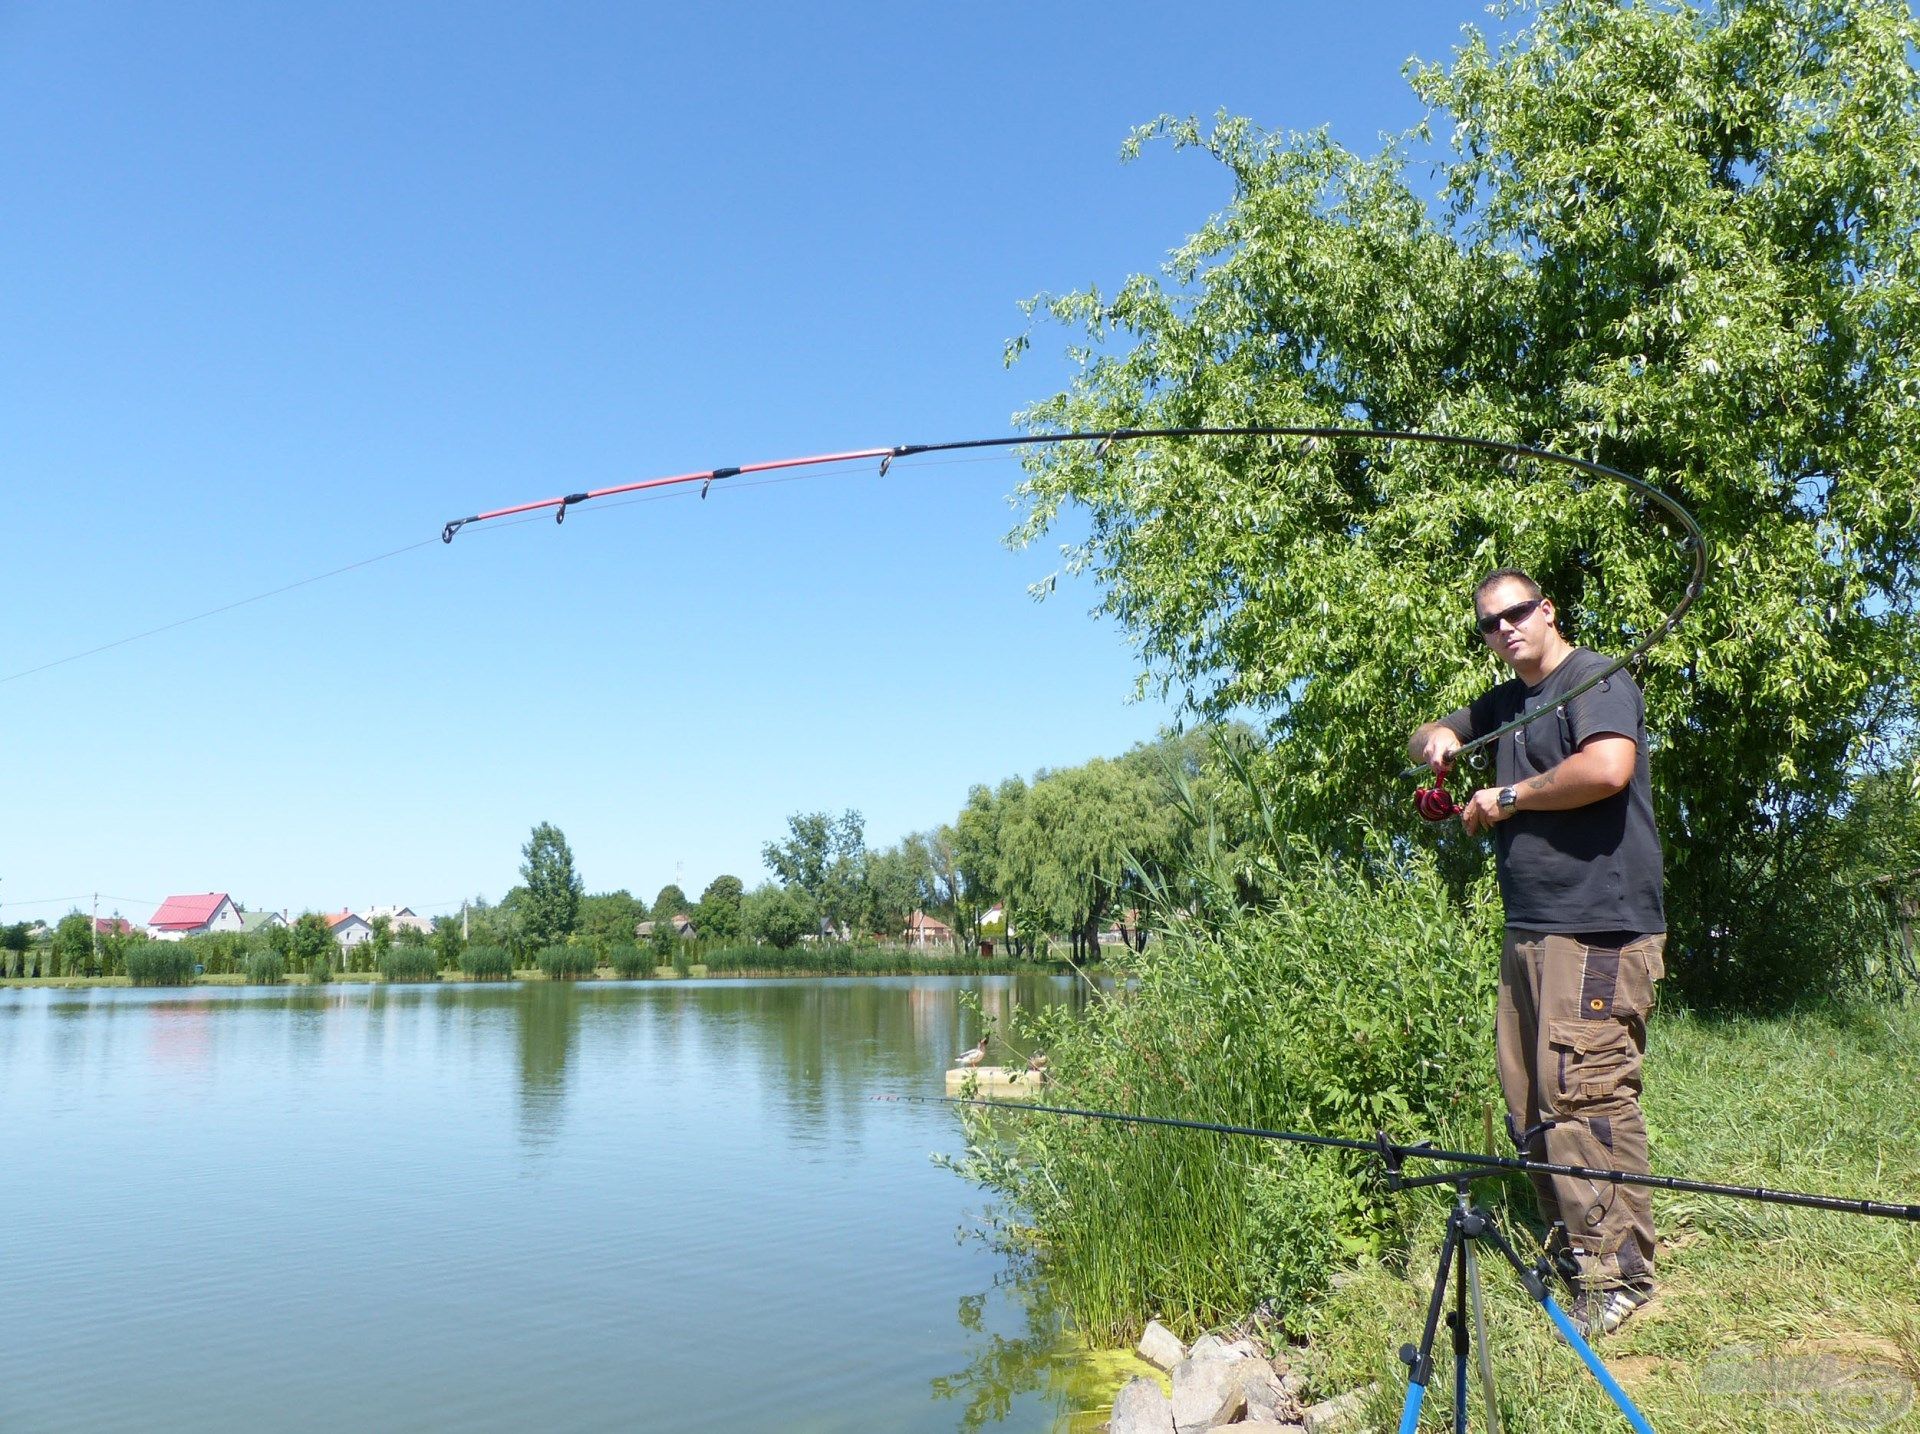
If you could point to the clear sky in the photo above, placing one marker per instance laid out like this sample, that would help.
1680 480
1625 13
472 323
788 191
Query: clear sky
289 286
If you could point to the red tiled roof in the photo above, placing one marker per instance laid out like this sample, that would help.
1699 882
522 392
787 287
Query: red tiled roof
337 917
112 925
182 913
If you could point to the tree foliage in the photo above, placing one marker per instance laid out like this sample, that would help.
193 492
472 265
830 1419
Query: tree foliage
717 917
825 857
553 890
1677 240
778 915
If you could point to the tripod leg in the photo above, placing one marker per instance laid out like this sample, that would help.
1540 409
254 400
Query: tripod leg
1537 1288
1457 1322
1482 1349
1420 1362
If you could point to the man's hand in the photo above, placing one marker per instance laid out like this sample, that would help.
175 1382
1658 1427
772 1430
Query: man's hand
1434 745
1483 811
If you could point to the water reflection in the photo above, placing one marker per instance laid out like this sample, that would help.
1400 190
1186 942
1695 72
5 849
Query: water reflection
624 1183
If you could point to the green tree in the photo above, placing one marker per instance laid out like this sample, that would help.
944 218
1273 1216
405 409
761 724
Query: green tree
1675 239
717 917
448 944
382 941
311 947
671 902
778 915
825 857
73 943
608 919
552 907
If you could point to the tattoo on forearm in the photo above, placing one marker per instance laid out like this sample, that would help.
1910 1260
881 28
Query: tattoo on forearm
1541 782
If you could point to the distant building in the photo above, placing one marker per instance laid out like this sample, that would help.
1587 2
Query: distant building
399 918
348 929
195 914
252 921
923 930
682 927
112 926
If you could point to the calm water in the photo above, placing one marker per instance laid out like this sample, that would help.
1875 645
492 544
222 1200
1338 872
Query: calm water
649 1206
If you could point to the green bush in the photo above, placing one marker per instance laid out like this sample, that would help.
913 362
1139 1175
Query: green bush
320 970
409 963
630 963
160 963
1356 996
566 963
486 963
266 968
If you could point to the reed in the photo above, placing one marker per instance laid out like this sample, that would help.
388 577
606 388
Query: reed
159 963
486 963
630 963
409 963
265 968
1354 996
566 963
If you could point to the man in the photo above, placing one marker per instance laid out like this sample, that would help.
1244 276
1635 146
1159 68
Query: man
1571 811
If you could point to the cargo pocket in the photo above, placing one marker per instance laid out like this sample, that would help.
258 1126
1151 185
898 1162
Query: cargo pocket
1595 1064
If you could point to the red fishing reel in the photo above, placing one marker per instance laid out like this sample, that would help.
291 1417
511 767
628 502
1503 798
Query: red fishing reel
1436 803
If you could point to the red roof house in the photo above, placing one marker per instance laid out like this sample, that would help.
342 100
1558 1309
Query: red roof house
113 926
193 915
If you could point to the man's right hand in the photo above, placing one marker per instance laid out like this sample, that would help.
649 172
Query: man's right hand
1435 744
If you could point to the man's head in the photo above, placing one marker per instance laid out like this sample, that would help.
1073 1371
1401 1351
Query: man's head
1516 619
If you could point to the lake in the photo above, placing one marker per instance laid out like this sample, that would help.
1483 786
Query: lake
618 1206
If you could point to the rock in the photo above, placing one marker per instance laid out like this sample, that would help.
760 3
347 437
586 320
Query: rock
1268 1426
1253 1392
1206 1347
1282 1366
1159 1346
1292 1383
1336 1413
1199 1386
1141 1408
1232 1409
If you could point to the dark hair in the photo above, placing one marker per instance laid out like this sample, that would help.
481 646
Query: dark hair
1499 575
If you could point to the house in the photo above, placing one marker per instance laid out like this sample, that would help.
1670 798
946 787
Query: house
194 914
923 930
348 929
252 921
112 926
399 918
682 927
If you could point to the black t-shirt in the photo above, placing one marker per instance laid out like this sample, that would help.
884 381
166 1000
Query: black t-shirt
1595 868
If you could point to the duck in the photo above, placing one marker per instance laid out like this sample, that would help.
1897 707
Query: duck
1037 1063
969 1059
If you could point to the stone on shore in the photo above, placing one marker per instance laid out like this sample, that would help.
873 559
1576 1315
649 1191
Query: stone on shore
1160 1346
1334 1414
1141 1408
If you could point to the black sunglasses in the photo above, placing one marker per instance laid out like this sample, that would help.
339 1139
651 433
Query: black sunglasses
1517 614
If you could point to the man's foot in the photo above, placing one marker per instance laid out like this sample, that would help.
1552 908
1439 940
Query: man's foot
1600 1312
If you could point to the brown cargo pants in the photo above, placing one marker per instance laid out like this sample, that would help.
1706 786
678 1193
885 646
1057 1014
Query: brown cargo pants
1570 1035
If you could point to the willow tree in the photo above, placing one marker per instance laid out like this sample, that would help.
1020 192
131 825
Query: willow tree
1675 240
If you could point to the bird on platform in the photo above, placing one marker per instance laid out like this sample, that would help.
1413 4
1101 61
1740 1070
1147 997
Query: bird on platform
1037 1063
973 1057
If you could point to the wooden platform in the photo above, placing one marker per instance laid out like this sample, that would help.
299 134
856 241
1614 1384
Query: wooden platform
996 1082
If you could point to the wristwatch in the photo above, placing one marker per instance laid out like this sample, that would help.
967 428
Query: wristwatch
1508 796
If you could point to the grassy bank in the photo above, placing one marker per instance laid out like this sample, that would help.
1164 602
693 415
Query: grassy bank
1767 1318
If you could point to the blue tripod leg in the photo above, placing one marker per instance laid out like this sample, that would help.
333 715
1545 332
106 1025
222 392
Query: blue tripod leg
1420 1362
1571 1333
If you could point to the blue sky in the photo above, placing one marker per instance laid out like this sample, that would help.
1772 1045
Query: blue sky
291 286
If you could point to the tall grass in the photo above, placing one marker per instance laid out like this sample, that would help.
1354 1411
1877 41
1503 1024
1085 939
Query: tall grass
1356 996
630 963
159 963
266 968
845 958
566 963
409 963
486 963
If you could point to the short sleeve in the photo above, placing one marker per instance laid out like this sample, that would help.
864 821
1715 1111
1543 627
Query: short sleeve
1477 717
1612 709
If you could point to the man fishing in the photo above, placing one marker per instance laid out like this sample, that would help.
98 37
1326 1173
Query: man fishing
1579 864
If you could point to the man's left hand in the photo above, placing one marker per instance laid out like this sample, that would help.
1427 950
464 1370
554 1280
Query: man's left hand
1483 811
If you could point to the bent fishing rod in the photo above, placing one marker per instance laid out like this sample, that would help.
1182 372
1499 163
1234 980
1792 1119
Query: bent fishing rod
1393 1156
1434 803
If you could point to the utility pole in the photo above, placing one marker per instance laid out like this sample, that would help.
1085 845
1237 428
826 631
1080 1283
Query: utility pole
463 922
96 931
